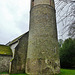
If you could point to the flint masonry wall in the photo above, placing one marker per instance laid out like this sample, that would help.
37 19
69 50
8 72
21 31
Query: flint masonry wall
4 63
42 56
18 63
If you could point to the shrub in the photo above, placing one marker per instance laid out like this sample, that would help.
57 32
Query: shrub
67 53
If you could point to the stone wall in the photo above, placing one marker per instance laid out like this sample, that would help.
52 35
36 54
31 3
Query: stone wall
49 2
18 63
36 2
4 63
42 55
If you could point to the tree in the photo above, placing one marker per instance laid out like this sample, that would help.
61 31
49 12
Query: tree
67 53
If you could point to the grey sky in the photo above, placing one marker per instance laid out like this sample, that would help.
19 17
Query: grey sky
14 19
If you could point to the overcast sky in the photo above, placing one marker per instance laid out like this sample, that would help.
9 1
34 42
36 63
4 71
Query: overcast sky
14 19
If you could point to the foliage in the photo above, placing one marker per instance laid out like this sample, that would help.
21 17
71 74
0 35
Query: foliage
67 53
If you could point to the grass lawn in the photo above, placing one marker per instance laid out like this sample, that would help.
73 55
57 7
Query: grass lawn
63 72
11 74
18 74
67 72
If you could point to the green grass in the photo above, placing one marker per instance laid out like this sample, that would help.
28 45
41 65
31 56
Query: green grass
67 72
18 74
63 72
11 74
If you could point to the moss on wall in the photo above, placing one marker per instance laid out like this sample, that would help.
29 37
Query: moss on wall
5 50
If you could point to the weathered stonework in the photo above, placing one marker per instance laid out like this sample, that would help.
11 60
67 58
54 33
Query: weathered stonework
18 63
42 55
4 63
37 2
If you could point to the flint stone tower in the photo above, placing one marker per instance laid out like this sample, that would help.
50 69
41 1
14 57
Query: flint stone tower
42 55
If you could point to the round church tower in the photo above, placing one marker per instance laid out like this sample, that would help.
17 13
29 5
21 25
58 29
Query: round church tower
43 54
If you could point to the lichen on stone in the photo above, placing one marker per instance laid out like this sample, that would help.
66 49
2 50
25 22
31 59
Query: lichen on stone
5 50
